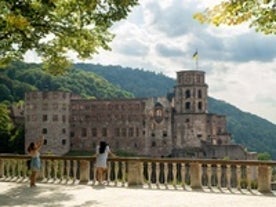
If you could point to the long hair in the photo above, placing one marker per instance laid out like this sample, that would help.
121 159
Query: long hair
31 147
102 147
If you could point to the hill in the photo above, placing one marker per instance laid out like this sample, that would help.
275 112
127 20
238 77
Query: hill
97 81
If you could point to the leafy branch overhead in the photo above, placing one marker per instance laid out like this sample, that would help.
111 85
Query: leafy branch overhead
260 14
52 28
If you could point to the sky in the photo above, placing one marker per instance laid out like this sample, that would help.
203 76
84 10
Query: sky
162 36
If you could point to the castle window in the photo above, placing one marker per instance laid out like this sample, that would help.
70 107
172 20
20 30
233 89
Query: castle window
44 117
104 132
199 94
123 132
44 131
153 143
55 117
94 132
187 105
199 135
187 94
187 120
64 107
83 132
117 132
34 118
199 105
137 132
63 142
131 132
64 131
165 134
44 95
63 118
45 106
72 134
45 142
152 134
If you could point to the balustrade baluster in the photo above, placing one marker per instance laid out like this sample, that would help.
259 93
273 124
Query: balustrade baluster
142 171
55 168
174 171
238 177
24 169
42 173
68 167
116 168
183 175
209 175
157 173
75 168
228 176
2 172
13 166
61 170
248 177
123 173
149 172
166 172
49 169
19 168
8 164
109 172
219 176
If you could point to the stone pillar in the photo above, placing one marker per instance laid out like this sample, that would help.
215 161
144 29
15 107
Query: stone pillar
264 179
135 173
195 173
84 171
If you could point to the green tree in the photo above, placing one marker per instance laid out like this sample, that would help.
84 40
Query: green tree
264 156
53 27
260 14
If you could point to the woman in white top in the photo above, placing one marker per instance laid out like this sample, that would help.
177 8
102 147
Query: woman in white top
35 165
102 152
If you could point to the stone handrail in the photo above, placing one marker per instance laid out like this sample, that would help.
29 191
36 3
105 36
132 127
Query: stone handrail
177 173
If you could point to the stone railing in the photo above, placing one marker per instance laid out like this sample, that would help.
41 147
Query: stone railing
185 174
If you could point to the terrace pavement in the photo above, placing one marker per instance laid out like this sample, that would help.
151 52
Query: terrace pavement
59 195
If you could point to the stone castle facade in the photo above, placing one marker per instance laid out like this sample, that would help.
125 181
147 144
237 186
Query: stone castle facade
178 125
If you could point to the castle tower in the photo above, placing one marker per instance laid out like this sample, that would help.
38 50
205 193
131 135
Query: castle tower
191 92
47 114
189 122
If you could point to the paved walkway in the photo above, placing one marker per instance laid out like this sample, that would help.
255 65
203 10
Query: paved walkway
51 195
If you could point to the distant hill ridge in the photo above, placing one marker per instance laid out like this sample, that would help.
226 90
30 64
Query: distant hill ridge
97 81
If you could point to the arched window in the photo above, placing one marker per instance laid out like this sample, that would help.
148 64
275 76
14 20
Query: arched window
187 105
199 105
187 94
199 94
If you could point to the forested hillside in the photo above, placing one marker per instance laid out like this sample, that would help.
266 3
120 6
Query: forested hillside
21 77
96 81
141 83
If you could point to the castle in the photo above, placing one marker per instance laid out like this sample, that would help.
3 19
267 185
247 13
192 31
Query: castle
178 125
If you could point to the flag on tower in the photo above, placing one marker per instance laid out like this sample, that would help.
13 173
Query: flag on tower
195 55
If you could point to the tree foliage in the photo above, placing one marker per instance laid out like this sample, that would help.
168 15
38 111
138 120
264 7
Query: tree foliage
261 14
52 28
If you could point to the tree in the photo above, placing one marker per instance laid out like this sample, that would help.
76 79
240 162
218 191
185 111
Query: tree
261 14
52 28
264 156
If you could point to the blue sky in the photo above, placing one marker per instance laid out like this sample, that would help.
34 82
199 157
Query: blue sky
161 36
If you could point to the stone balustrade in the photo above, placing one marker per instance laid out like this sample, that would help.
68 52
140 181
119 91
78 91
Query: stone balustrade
161 173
